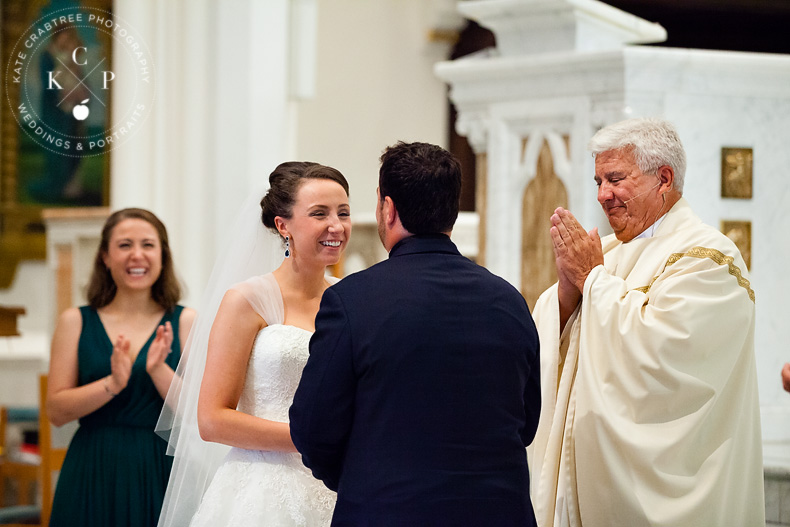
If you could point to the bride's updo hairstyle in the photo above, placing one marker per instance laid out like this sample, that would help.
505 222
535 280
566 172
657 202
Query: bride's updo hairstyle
284 184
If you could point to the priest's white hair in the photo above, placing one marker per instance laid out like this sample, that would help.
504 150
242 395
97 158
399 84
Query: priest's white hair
653 142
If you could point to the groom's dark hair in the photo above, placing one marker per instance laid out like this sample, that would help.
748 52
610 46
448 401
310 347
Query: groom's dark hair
424 183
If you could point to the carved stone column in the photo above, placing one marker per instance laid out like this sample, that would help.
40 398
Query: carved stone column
475 128
73 236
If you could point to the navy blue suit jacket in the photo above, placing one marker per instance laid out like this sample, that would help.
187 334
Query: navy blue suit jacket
421 392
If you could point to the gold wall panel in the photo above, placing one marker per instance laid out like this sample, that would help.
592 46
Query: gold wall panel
736 172
740 232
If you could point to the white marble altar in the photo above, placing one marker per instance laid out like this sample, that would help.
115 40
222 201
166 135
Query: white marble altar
535 86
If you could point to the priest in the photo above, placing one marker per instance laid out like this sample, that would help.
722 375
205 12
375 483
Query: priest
650 413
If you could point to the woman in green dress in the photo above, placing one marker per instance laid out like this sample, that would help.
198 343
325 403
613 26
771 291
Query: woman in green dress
111 366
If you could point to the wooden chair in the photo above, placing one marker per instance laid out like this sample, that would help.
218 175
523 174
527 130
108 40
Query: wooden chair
51 461
20 516
24 475
21 472
28 475
51 457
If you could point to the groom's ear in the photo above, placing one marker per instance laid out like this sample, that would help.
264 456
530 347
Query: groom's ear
389 211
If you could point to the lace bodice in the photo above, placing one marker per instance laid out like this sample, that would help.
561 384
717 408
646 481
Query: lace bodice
258 487
273 372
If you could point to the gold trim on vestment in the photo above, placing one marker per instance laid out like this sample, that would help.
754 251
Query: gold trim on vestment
703 252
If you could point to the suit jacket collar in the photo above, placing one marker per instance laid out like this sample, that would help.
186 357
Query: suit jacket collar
424 243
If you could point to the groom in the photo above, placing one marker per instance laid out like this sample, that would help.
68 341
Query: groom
422 388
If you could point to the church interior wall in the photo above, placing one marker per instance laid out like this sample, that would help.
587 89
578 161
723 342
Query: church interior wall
760 124
374 86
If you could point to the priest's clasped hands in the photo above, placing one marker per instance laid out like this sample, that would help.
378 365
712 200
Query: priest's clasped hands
576 253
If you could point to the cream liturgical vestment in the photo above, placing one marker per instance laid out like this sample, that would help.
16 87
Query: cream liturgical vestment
650 411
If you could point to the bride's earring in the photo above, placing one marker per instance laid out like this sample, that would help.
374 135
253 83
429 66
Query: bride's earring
287 247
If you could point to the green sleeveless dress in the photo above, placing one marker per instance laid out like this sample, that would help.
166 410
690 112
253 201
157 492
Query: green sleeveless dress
116 470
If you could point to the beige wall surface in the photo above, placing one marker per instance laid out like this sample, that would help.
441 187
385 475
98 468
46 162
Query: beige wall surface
374 86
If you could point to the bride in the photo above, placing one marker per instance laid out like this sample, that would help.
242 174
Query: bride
256 348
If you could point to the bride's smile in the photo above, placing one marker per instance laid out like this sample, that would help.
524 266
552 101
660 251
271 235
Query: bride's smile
320 223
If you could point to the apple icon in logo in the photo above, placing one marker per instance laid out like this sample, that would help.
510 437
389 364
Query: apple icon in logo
81 111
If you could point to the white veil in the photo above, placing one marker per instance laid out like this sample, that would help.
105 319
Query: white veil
250 249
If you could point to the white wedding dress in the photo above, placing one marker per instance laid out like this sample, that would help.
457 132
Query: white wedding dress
253 487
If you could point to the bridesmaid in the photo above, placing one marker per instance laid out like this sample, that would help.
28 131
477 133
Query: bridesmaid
111 365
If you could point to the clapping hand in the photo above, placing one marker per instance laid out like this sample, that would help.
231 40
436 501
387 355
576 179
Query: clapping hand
160 348
120 364
786 376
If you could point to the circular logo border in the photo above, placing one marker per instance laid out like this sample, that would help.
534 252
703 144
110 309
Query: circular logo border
124 37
